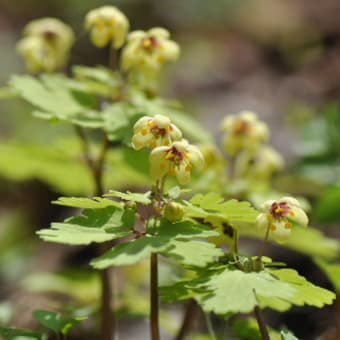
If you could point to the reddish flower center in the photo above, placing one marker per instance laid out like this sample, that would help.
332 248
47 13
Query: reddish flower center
279 210
241 127
50 35
158 132
150 43
174 155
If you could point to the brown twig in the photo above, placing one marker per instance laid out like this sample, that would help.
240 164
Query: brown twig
96 166
190 314
261 323
154 312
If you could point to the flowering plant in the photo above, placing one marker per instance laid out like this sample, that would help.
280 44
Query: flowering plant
126 136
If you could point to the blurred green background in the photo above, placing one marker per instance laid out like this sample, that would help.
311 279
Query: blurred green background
278 58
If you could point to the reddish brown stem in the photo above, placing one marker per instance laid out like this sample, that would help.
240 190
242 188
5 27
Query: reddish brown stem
154 312
97 167
261 323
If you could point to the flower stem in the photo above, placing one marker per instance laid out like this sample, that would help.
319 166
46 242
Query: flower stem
261 323
154 313
264 243
235 244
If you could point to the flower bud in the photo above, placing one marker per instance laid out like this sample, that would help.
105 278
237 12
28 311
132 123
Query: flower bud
173 211
130 205
46 45
107 24
280 216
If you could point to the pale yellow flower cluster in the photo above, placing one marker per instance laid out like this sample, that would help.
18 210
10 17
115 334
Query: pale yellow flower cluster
47 42
46 45
245 136
243 131
280 216
170 154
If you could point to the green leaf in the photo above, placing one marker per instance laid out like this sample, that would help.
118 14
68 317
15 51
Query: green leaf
98 80
140 248
20 333
287 335
332 270
184 229
175 192
131 252
55 322
7 92
86 203
234 291
130 196
213 209
327 207
119 119
59 164
193 253
97 225
176 292
53 99
306 292
137 159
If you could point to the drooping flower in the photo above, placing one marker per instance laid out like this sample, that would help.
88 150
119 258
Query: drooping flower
260 165
46 45
243 131
154 131
280 216
148 51
178 160
107 24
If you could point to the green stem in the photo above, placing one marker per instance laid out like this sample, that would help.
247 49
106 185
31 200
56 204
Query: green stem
154 312
210 327
264 243
261 323
235 244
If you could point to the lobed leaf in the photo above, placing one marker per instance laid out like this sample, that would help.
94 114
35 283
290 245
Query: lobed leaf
164 241
234 291
130 196
193 253
94 225
213 209
86 203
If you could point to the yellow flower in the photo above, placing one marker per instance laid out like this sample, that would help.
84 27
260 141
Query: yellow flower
154 131
261 165
148 51
177 160
107 24
243 131
46 45
280 216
